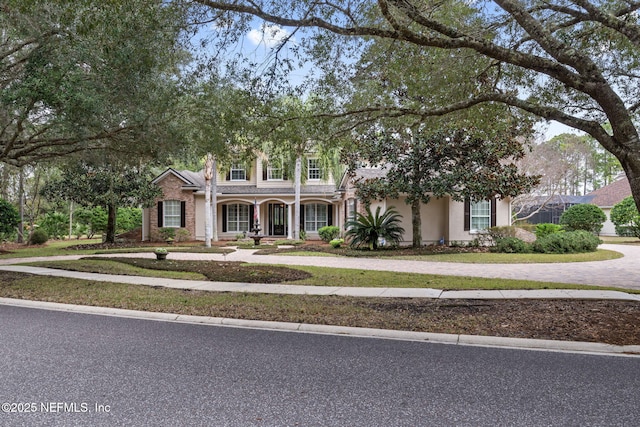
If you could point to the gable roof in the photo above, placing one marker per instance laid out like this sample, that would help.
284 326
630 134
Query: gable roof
182 176
612 194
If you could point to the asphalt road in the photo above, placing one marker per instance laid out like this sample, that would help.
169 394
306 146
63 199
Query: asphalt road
77 369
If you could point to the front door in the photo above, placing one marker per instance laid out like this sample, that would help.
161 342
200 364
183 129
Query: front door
277 219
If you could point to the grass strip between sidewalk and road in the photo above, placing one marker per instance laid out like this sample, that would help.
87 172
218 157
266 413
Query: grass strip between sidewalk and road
613 322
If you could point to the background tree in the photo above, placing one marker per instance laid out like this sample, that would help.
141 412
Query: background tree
9 219
428 161
576 61
294 131
84 75
583 217
218 129
108 184
626 218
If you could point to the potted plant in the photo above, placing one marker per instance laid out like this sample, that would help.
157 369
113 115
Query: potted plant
161 253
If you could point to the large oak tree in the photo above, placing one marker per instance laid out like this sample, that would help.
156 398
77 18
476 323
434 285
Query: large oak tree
572 61
84 75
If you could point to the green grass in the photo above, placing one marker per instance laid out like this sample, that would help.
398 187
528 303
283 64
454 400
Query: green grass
499 258
620 240
51 248
114 267
322 276
58 247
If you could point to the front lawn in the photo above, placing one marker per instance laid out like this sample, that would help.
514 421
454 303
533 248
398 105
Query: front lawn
299 275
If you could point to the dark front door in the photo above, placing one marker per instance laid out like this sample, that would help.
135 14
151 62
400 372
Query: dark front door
277 219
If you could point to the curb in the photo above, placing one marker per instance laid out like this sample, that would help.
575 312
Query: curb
456 339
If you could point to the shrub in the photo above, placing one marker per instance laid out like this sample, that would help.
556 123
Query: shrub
367 229
583 217
335 243
128 219
511 245
544 229
625 217
567 243
38 237
167 233
329 232
183 235
9 219
55 224
498 233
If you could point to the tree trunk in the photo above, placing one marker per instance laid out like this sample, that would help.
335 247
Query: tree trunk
111 224
70 218
298 178
207 213
21 195
416 222
214 200
208 167
632 170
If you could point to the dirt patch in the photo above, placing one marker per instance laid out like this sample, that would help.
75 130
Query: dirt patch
614 322
219 271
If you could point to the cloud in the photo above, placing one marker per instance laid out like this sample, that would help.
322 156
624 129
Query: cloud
269 35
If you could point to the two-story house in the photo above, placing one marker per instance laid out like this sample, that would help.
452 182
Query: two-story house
264 191
261 190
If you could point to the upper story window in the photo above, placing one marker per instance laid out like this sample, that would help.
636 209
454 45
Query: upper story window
480 215
313 169
171 213
238 172
275 171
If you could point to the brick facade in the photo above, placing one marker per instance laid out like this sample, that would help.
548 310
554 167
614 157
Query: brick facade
172 189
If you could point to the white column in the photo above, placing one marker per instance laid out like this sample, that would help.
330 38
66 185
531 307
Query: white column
289 222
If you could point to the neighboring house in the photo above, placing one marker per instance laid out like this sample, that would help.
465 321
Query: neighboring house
547 209
609 196
322 202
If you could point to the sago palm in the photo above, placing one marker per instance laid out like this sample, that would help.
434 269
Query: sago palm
365 230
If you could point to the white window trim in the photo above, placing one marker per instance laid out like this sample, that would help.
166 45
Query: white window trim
173 217
315 216
235 226
237 167
317 168
473 215
271 169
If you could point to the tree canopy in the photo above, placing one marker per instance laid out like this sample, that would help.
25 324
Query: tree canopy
107 184
427 161
85 74
575 62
